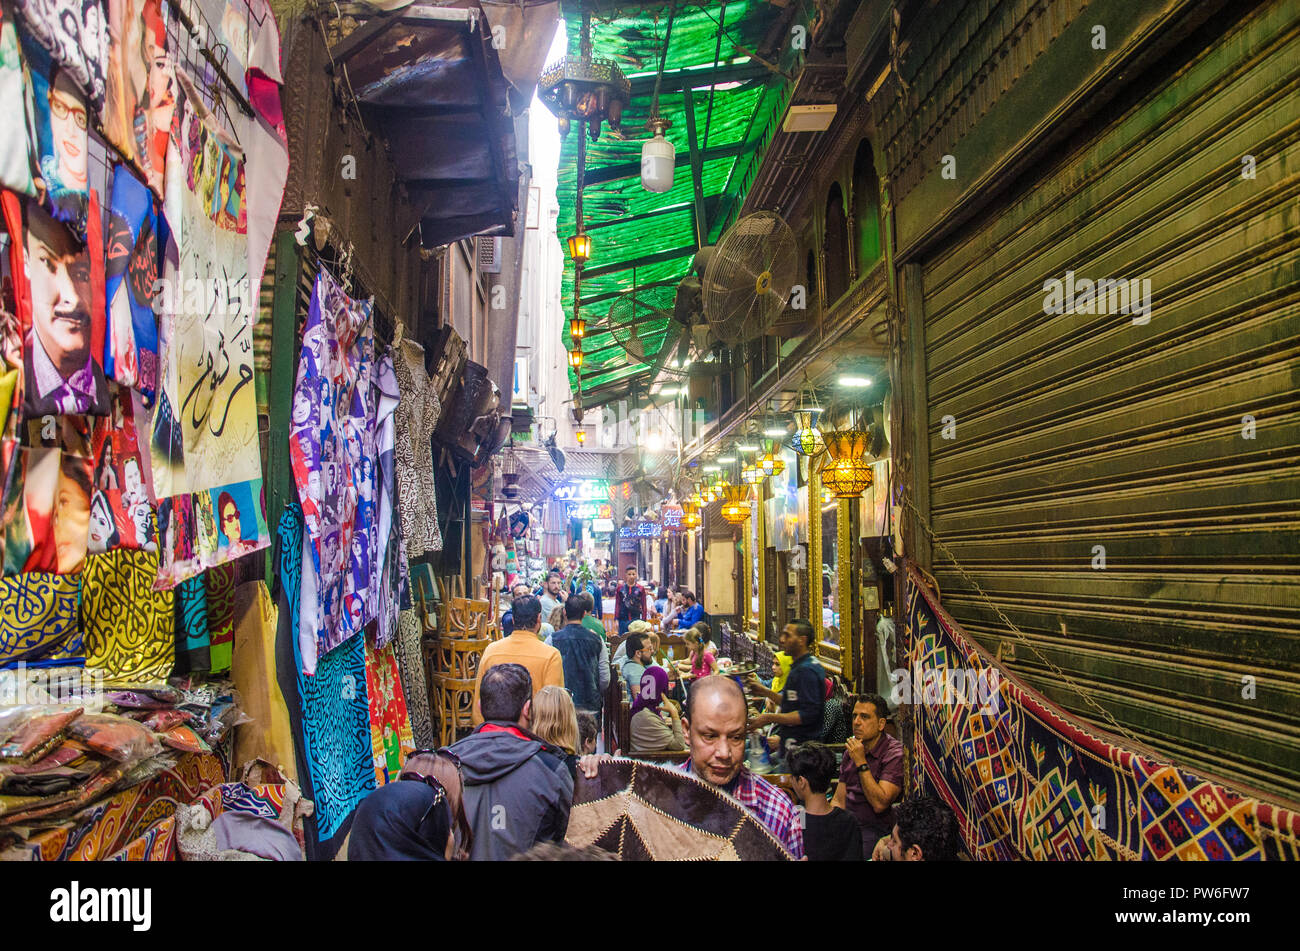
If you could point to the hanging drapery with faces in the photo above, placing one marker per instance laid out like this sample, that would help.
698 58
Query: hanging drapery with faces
140 88
58 115
75 35
46 509
206 458
131 356
123 512
15 155
60 312
332 452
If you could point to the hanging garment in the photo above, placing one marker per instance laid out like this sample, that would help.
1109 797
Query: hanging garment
61 321
140 92
390 727
332 452
15 151
59 116
410 655
129 628
268 736
266 141
330 711
220 590
131 357
38 621
391 591
193 641
75 34
416 418
122 509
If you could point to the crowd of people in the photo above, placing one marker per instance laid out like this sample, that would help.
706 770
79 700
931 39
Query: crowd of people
506 790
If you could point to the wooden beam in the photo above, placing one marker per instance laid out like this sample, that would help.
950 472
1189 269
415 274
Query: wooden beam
697 171
655 258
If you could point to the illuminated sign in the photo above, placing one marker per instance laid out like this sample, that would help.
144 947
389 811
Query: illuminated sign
591 510
602 525
589 490
641 530
672 518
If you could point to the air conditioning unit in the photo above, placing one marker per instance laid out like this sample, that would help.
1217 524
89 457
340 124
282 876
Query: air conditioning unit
488 249
812 117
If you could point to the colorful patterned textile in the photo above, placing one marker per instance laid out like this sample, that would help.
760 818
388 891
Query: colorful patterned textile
390 727
329 711
115 823
416 418
1027 781
140 96
206 458
15 154
38 621
268 736
122 513
265 139
193 641
155 844
220 590
410 654
47 500
132 271
59 116
75 34
332 450
60 312
647 812
129 627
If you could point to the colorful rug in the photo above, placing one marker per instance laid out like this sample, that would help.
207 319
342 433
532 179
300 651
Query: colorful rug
329 712
1028 781
118 823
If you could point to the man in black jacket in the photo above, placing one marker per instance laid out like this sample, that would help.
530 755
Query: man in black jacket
518 791
585 655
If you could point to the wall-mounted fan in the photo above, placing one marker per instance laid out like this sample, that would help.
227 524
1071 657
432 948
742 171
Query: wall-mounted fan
747 281
637 320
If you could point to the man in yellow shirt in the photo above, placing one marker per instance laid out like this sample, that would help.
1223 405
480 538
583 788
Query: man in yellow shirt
522 647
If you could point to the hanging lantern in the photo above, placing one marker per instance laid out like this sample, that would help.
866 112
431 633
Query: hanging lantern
657 158
587 89
690 515
770 462
580 247
847 471
807 439
578 328
752 474
575 357
736 507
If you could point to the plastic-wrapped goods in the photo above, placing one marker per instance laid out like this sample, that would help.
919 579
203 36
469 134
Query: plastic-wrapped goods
120 739
184 738
28 733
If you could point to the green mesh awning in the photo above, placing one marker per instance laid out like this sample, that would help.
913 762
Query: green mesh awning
645 238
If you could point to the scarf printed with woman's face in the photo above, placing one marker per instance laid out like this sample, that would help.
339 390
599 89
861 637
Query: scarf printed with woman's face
75 34
15 154
47 497
60 118
123 513
141 95
132 272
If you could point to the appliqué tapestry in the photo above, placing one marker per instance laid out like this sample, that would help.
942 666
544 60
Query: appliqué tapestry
1027 781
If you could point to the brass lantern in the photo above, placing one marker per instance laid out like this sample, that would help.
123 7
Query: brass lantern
575 358
806 439
735 509
690 515
770 462
577 327
846 470
580 247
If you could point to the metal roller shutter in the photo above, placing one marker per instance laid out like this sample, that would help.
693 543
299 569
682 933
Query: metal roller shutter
1085 430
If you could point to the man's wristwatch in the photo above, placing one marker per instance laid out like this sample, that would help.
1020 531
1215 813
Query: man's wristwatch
864 767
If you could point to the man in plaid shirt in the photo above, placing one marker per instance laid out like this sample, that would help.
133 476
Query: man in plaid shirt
715 735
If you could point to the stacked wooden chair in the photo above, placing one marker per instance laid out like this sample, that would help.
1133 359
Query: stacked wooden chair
464 632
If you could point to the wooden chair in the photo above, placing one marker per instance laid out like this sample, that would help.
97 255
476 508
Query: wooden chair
466 618
459 658
454 700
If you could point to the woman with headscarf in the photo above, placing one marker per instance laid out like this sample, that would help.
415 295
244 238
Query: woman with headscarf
412 819
656 721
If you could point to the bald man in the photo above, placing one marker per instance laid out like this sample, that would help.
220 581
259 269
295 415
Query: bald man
715 735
